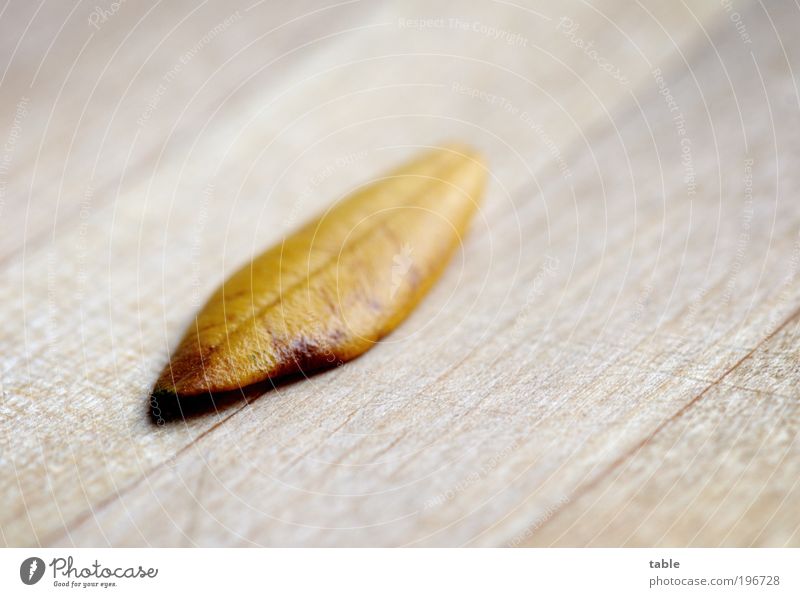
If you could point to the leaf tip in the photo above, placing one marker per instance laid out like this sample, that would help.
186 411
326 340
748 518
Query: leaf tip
164 405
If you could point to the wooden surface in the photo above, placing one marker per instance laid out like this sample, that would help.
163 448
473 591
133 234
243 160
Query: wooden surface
611 359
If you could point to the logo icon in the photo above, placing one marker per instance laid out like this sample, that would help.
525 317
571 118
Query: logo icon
31 571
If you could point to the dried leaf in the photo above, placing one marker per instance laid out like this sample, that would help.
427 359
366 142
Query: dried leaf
332 289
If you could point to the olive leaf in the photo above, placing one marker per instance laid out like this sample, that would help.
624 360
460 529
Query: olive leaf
329 291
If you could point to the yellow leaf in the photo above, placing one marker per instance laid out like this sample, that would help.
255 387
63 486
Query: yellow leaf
336 286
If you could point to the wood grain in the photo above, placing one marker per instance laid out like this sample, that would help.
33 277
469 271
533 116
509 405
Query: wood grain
612 359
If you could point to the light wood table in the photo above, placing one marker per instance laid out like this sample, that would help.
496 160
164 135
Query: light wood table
612 359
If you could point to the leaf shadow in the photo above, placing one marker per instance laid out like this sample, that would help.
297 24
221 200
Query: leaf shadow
164 408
